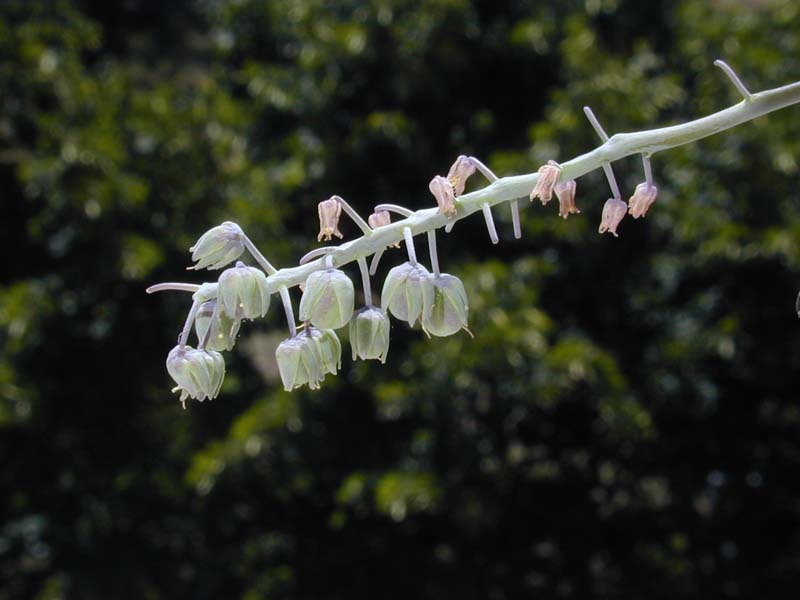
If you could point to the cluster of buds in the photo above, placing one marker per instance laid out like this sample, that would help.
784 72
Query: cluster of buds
306 359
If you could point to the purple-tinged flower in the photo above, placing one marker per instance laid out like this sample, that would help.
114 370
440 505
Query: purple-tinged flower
643 197
565 192
329 211
613 212
459 173
444 193
548 175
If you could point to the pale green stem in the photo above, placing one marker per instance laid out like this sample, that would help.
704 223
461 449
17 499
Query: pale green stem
256 253
362 266
648 170
187 326
607 169
362 224
506 189
287 307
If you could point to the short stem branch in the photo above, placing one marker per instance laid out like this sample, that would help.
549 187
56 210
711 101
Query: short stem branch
734 79
179 287
316 252
485 171
487 216
648 170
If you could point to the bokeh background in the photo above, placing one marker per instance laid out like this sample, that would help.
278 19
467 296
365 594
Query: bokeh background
625 423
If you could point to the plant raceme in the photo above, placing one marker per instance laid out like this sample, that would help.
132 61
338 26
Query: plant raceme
411 292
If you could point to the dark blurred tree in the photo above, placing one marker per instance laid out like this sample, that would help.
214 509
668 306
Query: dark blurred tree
624 422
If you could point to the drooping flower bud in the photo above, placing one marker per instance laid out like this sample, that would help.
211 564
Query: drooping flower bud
548 175
244 292
565 192
223 329
459 173
218 247
329 349
329 211
450 307
408 292
369 334
328 299
299 362
444 193
643 197
613 212
198 373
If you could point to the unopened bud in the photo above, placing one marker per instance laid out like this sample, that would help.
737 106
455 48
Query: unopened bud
329 211
329 349
381 218
408 292
565 192
198 373
299 362
223 329
244 292
450 307
459 173
643 197
328 299
548 175
218 247
369 334
443 191
613 212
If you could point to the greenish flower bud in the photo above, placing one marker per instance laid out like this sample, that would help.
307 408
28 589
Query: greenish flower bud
369 334
450 307
299 362
198 373
329 348
223 329
408 292
217 247
243 291
328 299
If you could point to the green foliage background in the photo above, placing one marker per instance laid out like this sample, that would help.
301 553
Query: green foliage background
625 423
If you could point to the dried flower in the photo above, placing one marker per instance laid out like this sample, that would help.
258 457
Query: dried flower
565 192
198 373
459 173
408 292
329 211
328 299
299 362
643 197
548 175
450 307
217 247
224 329
369 334
379 218
443 191
244 292
613 212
